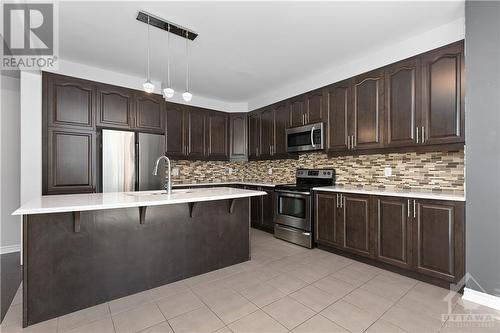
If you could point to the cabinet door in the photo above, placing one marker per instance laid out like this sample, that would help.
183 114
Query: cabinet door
443 95
297 114
70 102
266 132
114 107
217 135
393 234
356 223
402 103
253 135
281 118
439 239
268 208
238 136
70 163
174 133
195 133
329 224
149 109
315 108
255 209
339 107
368 93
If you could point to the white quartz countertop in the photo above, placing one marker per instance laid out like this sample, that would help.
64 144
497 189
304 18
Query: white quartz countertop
228 183
97 201
415 194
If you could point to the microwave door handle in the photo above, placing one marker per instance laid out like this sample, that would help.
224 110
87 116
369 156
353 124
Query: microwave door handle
312 137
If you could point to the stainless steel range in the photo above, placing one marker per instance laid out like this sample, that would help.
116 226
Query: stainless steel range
294 206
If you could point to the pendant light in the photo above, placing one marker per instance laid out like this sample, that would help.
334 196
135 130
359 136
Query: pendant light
148 86
168 91
187 96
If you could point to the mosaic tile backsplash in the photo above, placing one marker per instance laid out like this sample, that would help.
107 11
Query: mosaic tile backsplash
436 171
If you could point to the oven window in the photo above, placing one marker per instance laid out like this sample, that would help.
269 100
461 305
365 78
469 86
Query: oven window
299 139
295 207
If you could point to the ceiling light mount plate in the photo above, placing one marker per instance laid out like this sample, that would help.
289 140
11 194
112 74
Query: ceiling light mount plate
161 23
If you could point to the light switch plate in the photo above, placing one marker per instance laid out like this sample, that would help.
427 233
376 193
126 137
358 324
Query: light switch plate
387 171
270 171
230 171
175 171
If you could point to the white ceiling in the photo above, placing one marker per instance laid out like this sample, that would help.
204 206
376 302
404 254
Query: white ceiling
244 49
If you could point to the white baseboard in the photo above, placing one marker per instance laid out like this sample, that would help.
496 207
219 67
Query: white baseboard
481 298
10 248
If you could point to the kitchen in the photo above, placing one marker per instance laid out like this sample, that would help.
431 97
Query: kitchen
153 199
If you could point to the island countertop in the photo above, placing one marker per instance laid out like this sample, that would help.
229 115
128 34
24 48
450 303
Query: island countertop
97 201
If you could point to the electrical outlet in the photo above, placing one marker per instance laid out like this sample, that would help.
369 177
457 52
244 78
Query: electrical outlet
270 171
175 171
230 171
387 171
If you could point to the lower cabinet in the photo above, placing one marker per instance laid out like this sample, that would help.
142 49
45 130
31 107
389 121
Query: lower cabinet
422 236
262 208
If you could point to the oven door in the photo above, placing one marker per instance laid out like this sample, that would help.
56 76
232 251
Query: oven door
293 209
305 138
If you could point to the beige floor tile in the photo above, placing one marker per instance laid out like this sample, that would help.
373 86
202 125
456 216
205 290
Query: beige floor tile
262 294
18 297
129 302
386 287
168 290
229 305
137 319
382 326
314 298
14 317
369 302
411 321
286 283
225 329
197 321
83 317
178 304
334 286
242 280
349 316
471 327
353 277
464 306
209 287
319 324
202 278
289 312
163 327
426 304
102 326
258 321
309 274
12 323
267 273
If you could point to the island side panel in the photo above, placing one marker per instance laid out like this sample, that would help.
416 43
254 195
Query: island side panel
113 255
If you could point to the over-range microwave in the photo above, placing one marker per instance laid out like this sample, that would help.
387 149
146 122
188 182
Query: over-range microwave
305 138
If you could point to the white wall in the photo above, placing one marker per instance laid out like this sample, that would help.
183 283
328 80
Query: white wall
429 40
119 79
10 162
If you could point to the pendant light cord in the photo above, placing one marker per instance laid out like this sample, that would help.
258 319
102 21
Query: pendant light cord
168 57
148 52
187 63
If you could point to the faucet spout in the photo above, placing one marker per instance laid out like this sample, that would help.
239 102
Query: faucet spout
168 183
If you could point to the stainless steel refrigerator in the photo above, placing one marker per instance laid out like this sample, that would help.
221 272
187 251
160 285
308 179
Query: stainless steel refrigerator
127 161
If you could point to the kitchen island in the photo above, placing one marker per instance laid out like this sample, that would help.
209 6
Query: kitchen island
85 249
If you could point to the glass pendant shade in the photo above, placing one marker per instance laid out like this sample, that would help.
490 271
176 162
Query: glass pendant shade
187 96
168 92
148 86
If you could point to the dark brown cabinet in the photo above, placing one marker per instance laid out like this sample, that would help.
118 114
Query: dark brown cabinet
217 135
238 136
253 135
115 107
262 209
329 219
338 99
356 218
315 107
297 112
69 161
150 109
393 231
401 104
194 132
69 102
281 118
266 133
443 96
174 131
439 239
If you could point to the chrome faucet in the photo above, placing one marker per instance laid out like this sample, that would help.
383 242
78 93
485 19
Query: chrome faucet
168 184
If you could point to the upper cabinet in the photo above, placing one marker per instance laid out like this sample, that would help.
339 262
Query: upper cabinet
217 130
174 130
281 117
115 107
315 110
443 96
253 135
297 112
150 109
266 132
238 136
338 105
69 102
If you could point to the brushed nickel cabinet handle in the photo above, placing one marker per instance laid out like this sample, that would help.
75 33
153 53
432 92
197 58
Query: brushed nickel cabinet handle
341 201
337 195
414 209
417 134
408 208
348 142
423 135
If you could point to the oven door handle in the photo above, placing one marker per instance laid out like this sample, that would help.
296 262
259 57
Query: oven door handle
305 233
294 194
312 137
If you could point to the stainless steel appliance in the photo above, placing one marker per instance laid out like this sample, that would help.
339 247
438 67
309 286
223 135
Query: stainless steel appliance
127 161
294 206
305 138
